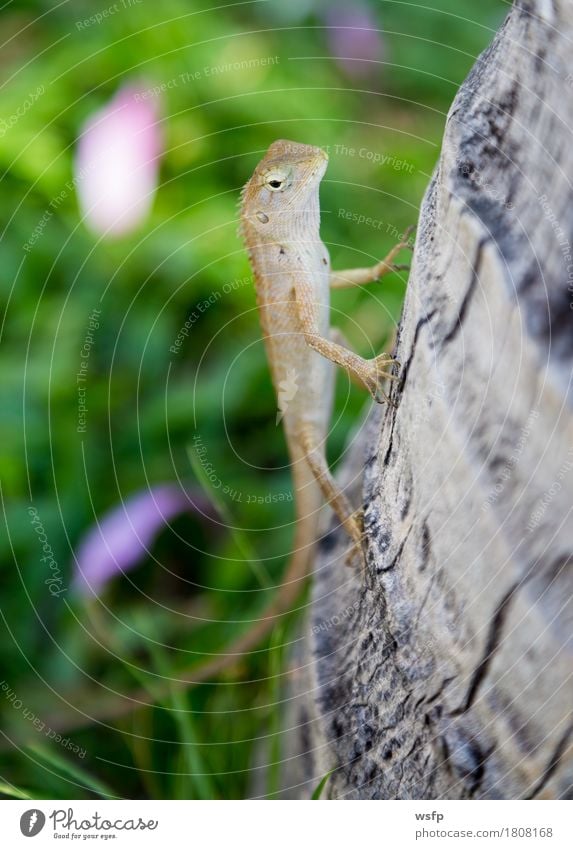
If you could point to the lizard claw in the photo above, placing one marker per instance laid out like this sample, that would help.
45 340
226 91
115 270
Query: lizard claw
404 244
386 266
393 267
380 373
356 551
406 240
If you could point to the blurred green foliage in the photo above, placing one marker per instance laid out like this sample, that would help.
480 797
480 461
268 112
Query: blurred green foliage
146 403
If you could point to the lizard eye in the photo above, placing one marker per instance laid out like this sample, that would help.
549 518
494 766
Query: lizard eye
276 181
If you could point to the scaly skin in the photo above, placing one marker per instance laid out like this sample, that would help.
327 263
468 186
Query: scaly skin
280 219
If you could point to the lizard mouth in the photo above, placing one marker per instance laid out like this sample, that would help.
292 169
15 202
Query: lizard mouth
319 154
319 163
320 157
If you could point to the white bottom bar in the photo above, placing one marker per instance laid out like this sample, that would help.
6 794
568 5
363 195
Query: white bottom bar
287 825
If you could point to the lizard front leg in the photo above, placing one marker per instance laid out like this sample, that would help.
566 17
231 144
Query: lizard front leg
337 336
359 276
372 374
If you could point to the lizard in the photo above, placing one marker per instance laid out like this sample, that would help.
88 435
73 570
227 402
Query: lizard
279 225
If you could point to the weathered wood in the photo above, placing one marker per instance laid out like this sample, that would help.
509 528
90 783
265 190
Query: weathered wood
445 670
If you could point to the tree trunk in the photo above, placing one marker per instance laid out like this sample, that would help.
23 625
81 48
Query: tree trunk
444 670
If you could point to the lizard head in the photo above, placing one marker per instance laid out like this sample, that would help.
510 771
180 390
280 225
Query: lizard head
283 190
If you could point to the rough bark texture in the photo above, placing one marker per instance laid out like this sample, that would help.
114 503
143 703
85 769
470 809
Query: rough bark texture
444 671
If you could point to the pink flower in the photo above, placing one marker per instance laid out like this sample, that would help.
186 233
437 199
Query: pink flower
123 536
354 40
117 163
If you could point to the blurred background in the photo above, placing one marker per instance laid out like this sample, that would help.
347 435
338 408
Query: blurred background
145 485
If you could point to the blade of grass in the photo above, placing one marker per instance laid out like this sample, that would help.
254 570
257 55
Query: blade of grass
276 663
15 792
92 610
21 793
191 753
149 684
82 776
138 742
320 786
239 538
171 700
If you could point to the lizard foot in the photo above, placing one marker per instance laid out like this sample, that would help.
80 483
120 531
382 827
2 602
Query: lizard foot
355 526
379 373
405 242
386 266
356 554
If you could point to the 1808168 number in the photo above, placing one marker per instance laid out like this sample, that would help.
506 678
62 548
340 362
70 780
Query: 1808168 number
531 832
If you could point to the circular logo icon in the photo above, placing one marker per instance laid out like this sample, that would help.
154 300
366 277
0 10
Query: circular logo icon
32 822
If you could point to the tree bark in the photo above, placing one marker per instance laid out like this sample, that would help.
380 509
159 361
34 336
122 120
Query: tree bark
444 670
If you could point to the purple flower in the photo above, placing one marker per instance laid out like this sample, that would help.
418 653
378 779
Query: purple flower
117 163
123 536
354 40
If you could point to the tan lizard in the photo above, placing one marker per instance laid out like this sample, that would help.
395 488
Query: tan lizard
280 220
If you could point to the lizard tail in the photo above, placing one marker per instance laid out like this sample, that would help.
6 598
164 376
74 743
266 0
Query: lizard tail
308 502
